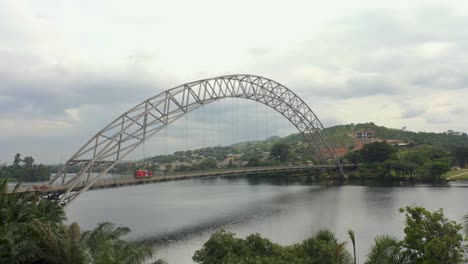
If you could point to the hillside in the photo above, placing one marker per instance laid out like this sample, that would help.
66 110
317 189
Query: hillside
343 136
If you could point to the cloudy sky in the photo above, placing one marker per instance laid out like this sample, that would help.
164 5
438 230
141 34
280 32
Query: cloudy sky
67 68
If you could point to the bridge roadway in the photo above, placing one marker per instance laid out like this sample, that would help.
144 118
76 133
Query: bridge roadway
115 182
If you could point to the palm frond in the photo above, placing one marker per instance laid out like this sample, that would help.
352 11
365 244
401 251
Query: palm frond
386 250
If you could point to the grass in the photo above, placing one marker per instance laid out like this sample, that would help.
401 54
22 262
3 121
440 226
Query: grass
456 175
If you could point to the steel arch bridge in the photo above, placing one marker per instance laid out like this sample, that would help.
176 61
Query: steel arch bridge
128 131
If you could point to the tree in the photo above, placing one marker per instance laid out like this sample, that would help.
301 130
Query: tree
17 160
32 231
465 218
353 241
230 164
207 164
354 157
280 152
59 246
324 247
104 245
461 154
377 152
18 214
430 237
224 247
437 168
253 162
28 161
386 250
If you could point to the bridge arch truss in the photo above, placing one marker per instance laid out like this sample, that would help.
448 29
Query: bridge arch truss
128 131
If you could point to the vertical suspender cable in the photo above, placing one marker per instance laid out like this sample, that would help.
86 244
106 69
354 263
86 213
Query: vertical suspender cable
266 122
186 144
203 127
256 121
232 120
165 140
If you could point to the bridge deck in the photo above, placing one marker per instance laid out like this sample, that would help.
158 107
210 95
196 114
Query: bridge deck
120 182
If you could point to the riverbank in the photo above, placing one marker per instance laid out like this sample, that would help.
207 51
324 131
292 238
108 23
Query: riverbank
455 175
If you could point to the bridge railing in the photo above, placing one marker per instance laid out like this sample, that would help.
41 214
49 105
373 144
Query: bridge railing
128 179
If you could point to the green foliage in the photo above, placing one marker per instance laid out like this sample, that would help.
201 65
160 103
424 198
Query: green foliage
461 155
17 160
343 135
104 245
19 214
224 248
280 152
58 245
386 250
253 162
431 237
32 231
352 237
325 248
26 172
377 152
426 163
465 219
28 161
402 167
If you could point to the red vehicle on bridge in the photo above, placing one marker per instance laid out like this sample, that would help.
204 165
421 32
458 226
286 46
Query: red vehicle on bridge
142 174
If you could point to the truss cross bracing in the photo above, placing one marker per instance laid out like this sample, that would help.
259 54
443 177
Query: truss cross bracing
123 135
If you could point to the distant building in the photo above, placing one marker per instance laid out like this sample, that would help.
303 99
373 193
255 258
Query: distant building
365 134
397 142
233 156
363 137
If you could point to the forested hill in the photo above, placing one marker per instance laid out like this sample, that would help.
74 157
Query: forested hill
343 135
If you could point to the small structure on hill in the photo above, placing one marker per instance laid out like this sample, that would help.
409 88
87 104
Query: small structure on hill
365 136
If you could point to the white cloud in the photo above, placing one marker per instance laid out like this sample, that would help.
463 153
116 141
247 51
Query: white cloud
67 68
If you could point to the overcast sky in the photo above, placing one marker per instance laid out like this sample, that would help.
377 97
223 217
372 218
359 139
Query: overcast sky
67 68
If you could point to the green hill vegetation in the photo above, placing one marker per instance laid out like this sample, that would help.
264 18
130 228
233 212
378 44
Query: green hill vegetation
454 145
343 135
416 155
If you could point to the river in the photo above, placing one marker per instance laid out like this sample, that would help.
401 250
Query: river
178 217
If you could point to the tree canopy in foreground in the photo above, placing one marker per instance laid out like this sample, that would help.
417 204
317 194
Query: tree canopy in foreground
33 231
430 238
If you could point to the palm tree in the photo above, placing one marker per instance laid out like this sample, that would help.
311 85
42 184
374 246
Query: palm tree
22 207
31 231
465 218
353 241
17 211
104 245
324 247
386 250
59 245
15 244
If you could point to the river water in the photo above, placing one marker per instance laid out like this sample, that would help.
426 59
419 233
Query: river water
178 217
